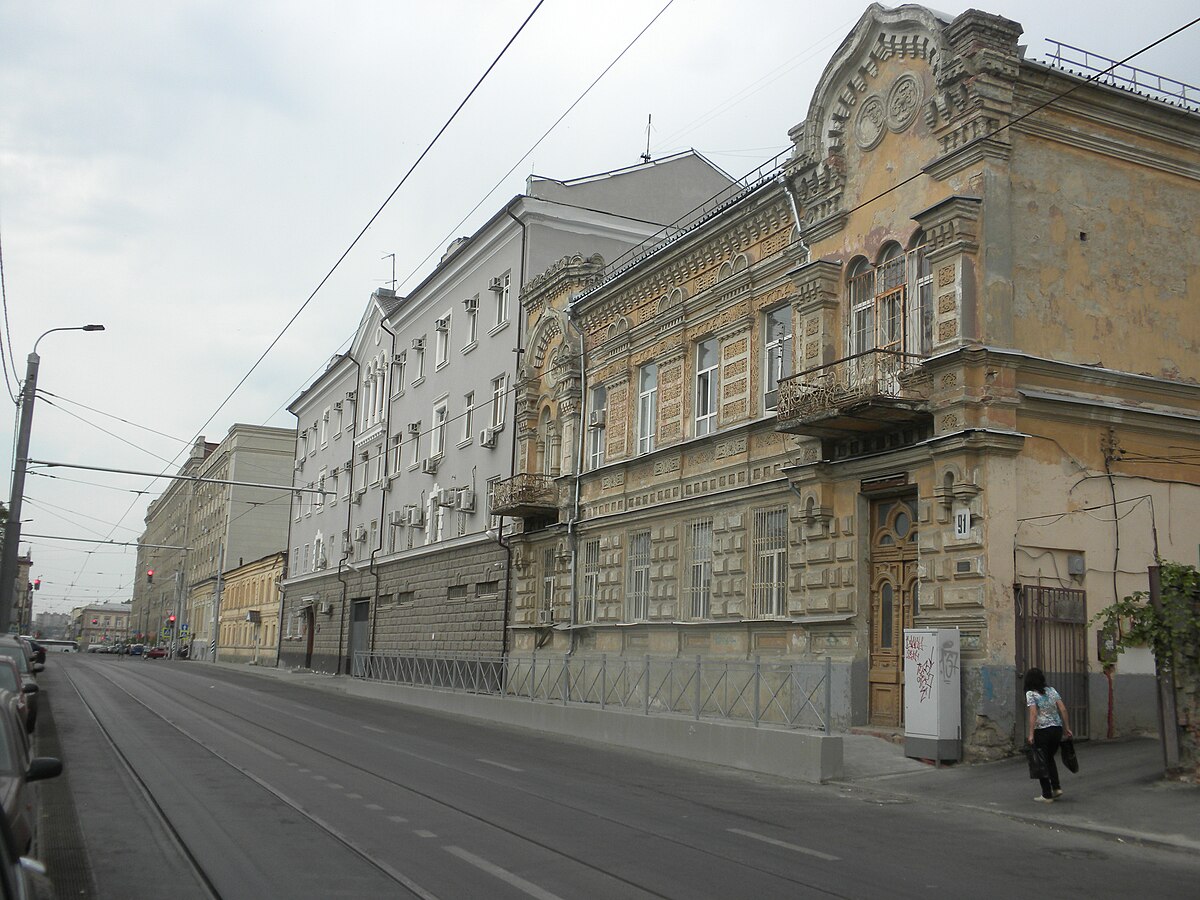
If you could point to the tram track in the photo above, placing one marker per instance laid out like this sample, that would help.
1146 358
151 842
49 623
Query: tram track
176 693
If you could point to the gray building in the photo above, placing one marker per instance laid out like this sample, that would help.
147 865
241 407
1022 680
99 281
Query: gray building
402 440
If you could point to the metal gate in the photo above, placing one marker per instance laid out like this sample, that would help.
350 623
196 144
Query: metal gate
1052 635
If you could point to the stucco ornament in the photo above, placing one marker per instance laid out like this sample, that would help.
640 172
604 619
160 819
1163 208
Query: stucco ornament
869 126
904 101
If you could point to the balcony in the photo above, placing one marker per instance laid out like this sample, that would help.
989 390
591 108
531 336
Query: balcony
873 391
526 496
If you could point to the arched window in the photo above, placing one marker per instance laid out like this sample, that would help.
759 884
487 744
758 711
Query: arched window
861 283
890 305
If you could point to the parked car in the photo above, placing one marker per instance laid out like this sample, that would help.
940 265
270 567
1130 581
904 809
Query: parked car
18 652
36 649
17 772
155 653
11 680
137 649
20 878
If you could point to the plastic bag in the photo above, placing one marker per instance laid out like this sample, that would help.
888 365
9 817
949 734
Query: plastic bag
1037 762
1070 760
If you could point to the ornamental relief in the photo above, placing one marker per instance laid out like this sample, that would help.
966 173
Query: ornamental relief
904 101
947 303
772 297
945 275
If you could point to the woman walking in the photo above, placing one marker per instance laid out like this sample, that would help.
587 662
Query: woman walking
1047 726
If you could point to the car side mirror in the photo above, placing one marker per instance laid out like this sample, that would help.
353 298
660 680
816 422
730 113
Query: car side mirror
43 767
30 688
38 667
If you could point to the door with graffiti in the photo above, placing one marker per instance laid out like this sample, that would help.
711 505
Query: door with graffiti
894 602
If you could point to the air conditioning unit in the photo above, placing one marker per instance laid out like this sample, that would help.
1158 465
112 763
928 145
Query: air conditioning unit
415 517
351 396
545 617
466 500
496 284
253 616
418 343
398 359
326 608
325 416
386 481
487 438
347 546
596 418
338 406
429 465
471 304
360 533
446 497
443 324
359 494
298 466
414 428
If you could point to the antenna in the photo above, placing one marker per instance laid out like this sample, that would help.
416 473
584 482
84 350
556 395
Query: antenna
392 257
646 157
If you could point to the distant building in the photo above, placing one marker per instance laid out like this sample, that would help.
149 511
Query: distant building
249 611
103 624
51 625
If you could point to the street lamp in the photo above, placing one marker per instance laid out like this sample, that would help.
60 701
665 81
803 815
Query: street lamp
12 528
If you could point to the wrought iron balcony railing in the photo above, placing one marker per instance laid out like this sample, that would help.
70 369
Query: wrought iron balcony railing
525 495
869 391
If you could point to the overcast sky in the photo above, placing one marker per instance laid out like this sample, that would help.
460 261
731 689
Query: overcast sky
186 173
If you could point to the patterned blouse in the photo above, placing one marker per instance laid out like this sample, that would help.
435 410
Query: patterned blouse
1047 707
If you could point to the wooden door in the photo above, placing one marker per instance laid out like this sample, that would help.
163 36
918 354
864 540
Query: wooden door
893 569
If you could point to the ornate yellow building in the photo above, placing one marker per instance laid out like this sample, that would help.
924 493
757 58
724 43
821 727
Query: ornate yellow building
935 366
249 612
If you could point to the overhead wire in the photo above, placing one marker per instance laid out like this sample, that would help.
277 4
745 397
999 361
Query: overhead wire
6 351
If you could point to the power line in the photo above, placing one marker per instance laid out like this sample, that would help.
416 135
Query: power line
6 351
44 393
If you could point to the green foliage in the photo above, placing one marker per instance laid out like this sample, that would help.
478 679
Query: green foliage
1171 632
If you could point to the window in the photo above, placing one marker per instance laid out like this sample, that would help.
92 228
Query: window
442 342
591 580
493 519
500 287
338 420
319 559
597 435
923 326
399 361
699 585
647 409
414 443
345 480
862 307
325 427
305 559
639 575
472 307
777 355
394 449
891 305
438 432
468 414
546 601
707 359
418 359
499 393
770 562
377 464
319 498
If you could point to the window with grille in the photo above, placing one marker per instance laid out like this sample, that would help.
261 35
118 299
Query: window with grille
777 355
639 575
700 554
770 562
891 305
707 358
591 580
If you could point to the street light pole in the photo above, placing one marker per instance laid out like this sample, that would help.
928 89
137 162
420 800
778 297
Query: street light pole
12 528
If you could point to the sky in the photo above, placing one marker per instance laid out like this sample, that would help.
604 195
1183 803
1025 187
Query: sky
186 173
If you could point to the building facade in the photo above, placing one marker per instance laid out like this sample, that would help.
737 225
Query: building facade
104 624
401 441
249 617
936 367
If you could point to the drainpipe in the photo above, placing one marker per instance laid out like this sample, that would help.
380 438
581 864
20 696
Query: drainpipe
791 195
387 422
572 527
520 351
349 517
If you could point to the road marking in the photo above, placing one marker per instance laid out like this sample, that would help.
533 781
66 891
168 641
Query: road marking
422 833
335 787
769 840
376 730
354 796
499 765
320 778
397 819
503 874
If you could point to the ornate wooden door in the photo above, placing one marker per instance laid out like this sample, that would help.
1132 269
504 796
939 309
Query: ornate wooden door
894 601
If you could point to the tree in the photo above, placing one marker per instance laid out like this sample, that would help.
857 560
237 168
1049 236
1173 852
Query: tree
1171 629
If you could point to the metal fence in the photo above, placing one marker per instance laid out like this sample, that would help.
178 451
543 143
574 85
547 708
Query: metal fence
792 695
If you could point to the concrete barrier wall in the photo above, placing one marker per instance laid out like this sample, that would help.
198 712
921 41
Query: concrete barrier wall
803 755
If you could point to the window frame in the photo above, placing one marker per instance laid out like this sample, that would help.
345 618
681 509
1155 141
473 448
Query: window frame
707 381
647 408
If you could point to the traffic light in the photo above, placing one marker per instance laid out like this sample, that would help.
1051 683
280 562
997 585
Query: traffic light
95 621
149 576
171 619
37 584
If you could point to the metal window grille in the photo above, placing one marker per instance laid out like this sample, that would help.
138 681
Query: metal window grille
639 575
700 537
591 580
770 569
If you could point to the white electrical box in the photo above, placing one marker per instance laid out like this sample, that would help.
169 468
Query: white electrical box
932 693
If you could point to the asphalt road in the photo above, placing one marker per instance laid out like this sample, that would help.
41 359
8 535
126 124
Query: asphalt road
198 781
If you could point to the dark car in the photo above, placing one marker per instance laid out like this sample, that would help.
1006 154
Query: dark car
17 771
17 651
155 653
36 650
136 649
20 878
11 680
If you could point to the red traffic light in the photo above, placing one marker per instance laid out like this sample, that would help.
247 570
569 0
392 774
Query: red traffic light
37 584
95 621
171 619
149 576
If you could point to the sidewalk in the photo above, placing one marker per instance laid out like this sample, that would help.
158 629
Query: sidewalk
1119 791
